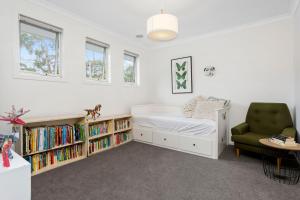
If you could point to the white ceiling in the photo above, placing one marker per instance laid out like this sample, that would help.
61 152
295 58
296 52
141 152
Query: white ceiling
196 17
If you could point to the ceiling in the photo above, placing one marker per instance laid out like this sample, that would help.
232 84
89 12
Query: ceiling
196 17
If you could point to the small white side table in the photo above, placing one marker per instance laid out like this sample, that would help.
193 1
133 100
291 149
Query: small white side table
15 181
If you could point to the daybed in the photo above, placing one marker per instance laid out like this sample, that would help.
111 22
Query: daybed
166 126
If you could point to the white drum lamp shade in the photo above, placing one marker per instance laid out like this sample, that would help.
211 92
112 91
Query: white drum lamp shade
162 27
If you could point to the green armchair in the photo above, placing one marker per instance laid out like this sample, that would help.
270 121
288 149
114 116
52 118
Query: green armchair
263 120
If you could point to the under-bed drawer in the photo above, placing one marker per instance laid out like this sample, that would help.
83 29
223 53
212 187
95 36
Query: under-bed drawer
165 139
143 134
195 145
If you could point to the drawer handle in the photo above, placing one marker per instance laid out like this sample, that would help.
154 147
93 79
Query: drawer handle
194 145
141 134
165 139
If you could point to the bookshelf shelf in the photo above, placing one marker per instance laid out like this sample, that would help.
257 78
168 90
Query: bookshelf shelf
52 141
101 150
58 147
123 130
100 133
129 140
59 164
99 136
69 138
53 118
100 119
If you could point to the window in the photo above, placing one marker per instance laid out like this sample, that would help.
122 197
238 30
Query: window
130 67
39 47
96 60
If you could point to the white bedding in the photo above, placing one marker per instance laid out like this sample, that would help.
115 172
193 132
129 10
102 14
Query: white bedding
177 124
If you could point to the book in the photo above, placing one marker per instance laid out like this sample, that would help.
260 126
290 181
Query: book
283 140
99 144
98 129
122 124
41 160
121 137
45 138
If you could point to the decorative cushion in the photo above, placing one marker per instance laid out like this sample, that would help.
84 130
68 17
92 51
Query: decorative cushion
248 138
226 102
189 107
207 109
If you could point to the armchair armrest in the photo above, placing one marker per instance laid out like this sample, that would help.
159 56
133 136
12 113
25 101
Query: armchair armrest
240 129
289 132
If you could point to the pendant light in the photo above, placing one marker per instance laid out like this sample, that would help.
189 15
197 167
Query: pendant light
162 27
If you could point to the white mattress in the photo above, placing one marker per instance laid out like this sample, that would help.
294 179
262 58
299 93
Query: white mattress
177 125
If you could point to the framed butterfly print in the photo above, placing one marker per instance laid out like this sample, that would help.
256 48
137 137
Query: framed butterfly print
181 72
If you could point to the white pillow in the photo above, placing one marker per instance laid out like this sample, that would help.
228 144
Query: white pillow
226 102
207 109
189 107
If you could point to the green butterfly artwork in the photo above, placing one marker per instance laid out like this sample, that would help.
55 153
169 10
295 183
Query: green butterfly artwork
181 76
181 85
181 72
180 67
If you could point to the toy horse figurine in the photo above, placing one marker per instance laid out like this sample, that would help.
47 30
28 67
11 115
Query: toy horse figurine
94 112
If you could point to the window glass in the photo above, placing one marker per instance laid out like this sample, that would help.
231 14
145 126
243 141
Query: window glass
39 50
129 68
95 61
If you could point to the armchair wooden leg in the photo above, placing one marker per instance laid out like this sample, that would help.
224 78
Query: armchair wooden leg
237 152
279 161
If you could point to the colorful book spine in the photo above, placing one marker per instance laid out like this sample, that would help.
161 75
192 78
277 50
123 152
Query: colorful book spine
121 137
122 124
45 138
39 161
98 129
99 144
79 132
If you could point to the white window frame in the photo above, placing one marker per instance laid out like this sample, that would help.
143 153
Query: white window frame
136 69
21 74
107 62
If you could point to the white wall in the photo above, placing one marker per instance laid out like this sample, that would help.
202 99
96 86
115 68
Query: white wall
252 64
73 95
297 66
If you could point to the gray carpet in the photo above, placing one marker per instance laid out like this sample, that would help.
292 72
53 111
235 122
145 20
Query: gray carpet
138 171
